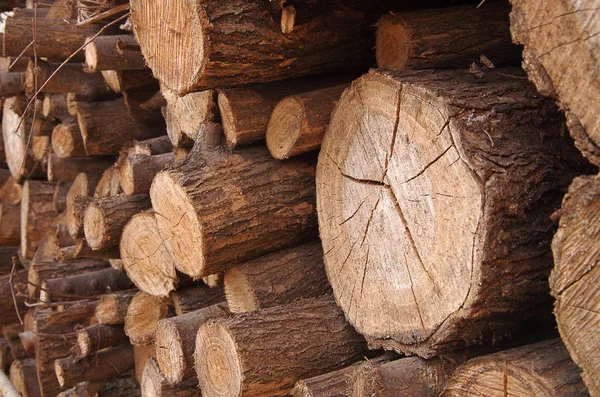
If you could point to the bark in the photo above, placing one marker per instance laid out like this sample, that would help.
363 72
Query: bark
92 339
143 314
60 196
37 214
438 207
124 80
54 106
552 35
141 355
113 53
10 231
112 308
311 337
5 356
276 279
107 126
67 169
101 367
11 83
154 384
104 219
175 341
239 43
575 276
298 122
192 298
23 376
138 171
145 258
18 65
6 255
67 140
65 78
541 369
214 213
84 285
42 271
152 146
74 216
185 115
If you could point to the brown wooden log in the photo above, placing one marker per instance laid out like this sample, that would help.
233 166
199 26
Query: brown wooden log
145 258
195 297
97 337
109 184
23 376
71 314
144 104
40 146
333 38
181 153
67 140
67 169
124 80
11 83
552 36
141 355
143 314
276 279
12 64
154 384
11 191
85 285
80 250
65 78
83 185
42 271
5 356
28 340
10 230
54 106
37 214
208 229
213 280
138 171
152 146
541 369
298 123
430 190
234 356
113 53
175 341
74 216
112 308
104 219
576 273
107 126
101 367
184 115
6 258
61 191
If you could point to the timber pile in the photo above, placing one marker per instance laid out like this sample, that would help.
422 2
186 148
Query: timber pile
169 227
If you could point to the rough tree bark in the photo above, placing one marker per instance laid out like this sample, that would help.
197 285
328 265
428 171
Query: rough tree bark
42 271
194 297
10 230
138 170
120 52
97 337
112 308
67 169
23 376
69 78
37 214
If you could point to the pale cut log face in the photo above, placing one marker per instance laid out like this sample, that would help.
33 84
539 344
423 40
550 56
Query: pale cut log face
13 140
390 182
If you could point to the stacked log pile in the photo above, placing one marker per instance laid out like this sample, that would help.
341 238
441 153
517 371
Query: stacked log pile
228 202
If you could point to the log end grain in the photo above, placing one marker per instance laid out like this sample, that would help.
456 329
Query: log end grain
393 43
94 226
143 314
64 142
228 119
167 332
239 292
285 127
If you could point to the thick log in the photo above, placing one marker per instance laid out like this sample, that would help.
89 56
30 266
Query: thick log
60 196
298 122
332 38
234 356
154 384
195 297
104 219
85 285
71 314
42 271
97 337
541 369
23 376
37 214
141 355
208 235
276 279
112 308
184 115
138 171
54 106
175 341
446 174
10 230
143 314
113 53
125 80
107 126
552 36
575 276
67 140
11 83
65 78
101 367
67 169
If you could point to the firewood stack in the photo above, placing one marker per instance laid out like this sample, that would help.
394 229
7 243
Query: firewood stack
219 198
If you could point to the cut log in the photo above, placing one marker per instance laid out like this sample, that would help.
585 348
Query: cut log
213 280
112 308
67 169
225 43
141 355
175 341
74 216
109 184
107 126
37 214
67 140
145 258
60 196
298 122
278 278
92 339
435 204
65 78
84 285
234 356
42 271
152 146
54 106
138 171
10 230
104 219
71 314
102 367
184 115
553 35
6 258
83 185
541 369
192 298
23 376
11 191
124 80
143 314
40 146
154 384
214 213
113 53
11 83
144 104
575 276
28 340
18 65
5 356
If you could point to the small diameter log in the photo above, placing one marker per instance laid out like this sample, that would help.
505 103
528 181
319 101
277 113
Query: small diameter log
67 140
152 146
109 184
60 196
192 298
23 376
54 106
184 115
104 219
234 356
97 337
84 285
69 78
10 230
298 122
83 185
144 104
154 384
552 35
42 271
107 126
333 38
175 341
444 173
37 214
576 274
74 216
112 308
278 278
18 65
113 53
40 146
208 235
143 314
541 369
124 80
145 258
141 355
101 367
11 83
138 171
66 169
